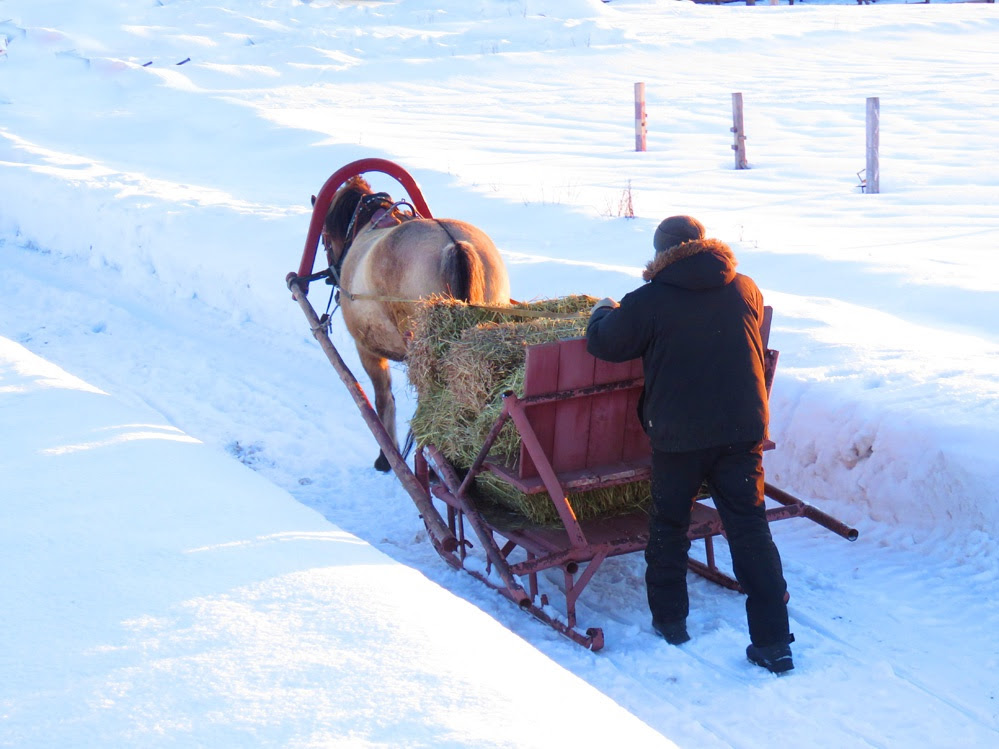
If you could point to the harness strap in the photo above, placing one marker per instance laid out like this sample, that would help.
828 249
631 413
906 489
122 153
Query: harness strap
446 231
514 311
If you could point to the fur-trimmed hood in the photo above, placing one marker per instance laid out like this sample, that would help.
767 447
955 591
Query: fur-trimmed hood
697 264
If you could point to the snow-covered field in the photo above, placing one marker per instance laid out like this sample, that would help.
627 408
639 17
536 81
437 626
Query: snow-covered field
149 211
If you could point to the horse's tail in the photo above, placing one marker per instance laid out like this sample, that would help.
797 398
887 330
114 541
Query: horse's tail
462 270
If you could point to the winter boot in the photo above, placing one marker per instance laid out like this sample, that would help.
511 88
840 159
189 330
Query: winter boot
675 633
774 658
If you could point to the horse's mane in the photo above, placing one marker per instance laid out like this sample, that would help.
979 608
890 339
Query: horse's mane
344 204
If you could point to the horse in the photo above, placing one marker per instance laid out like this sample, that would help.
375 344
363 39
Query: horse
383 258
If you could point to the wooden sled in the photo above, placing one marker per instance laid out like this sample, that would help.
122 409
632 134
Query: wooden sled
579 431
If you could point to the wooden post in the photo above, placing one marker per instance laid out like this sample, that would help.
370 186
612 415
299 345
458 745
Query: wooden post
740 133
640 121
873 174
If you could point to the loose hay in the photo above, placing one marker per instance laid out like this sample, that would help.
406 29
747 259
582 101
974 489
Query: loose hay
461 360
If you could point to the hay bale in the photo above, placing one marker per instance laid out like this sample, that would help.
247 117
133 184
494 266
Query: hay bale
439 321
461 360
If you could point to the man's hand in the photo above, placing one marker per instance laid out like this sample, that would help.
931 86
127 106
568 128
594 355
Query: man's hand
605 302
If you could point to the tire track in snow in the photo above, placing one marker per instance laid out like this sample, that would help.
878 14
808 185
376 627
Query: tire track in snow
899 672
722 677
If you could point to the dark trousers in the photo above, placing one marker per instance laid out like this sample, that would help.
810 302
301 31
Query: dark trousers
734 475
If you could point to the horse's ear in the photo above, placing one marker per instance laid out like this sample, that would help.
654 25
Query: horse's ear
313 201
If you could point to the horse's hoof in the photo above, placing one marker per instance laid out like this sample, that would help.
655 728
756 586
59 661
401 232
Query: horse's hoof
382 463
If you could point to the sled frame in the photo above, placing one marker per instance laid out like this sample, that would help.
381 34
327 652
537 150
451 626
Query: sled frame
579 431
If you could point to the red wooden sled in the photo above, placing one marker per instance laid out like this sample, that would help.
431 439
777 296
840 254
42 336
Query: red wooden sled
579 431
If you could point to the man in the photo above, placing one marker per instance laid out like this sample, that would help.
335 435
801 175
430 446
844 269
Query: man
696 326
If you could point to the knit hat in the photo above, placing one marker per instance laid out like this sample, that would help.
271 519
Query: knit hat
677 230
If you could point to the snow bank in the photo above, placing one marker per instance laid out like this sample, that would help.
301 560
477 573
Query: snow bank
229 614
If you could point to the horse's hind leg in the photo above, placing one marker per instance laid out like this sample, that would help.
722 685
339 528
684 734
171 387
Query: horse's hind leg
377 368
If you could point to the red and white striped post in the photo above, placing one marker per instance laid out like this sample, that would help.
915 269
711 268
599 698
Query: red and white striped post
640 120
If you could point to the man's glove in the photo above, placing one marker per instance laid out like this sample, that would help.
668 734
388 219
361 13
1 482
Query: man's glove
605 302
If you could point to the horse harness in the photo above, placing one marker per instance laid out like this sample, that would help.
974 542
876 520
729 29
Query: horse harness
383 211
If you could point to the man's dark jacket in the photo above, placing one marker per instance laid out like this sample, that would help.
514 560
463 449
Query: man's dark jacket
696 325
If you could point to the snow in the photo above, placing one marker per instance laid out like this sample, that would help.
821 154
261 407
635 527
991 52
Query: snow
158 592
184 598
